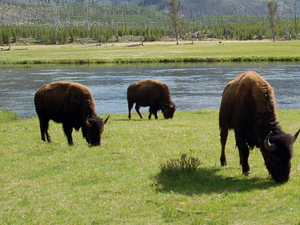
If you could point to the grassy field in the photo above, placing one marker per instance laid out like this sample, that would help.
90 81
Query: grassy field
200 51
121 181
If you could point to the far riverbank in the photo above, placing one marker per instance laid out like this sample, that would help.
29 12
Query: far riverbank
152 52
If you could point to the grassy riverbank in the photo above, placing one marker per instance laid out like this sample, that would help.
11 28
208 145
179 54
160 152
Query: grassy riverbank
121 181
200 51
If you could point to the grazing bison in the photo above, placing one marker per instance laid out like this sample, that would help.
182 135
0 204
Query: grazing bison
248 106
151 93
71 104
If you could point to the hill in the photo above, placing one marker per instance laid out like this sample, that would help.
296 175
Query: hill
201 8
190 8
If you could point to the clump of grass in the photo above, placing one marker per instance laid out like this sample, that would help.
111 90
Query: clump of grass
175 166
6 115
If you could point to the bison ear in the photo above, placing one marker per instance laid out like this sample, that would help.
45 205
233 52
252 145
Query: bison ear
105 121
296 135
267 144
87 122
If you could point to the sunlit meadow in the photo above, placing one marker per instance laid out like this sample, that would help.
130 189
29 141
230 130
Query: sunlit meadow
121 181
199 51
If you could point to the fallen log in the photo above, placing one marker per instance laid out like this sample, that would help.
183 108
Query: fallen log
135 45
24 42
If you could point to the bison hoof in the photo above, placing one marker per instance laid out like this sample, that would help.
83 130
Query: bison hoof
247 173
224 164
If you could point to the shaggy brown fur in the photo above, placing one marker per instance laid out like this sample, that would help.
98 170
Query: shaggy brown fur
248 106
151 93
71 104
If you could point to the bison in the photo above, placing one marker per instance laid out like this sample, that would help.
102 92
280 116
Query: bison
151 93
71 104
248 107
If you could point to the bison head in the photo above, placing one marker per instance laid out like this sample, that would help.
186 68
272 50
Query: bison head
278 155
94 127
168 110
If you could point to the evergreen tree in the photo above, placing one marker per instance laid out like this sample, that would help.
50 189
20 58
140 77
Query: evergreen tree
1 39
6 36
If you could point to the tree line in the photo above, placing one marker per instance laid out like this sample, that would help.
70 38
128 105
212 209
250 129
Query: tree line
230 31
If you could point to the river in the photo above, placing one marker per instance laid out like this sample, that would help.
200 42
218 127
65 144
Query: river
193 86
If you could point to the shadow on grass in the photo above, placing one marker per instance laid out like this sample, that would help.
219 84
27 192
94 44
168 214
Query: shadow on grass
204 180
138 120
130 120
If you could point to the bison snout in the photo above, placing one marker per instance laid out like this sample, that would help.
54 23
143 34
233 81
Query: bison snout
95 144
281 179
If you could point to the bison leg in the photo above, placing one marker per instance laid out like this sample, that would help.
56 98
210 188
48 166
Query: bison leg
68 132
155 114
130 105
223 134
137 108
44 125
244 152
153 111
149 117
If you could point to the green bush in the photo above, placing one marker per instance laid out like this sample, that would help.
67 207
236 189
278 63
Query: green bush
175 166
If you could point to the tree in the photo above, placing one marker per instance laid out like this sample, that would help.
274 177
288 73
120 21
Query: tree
272 6
177 23
295 18
6 36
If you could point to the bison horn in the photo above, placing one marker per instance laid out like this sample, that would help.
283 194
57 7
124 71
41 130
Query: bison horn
87 122
296 135
105 121
267 144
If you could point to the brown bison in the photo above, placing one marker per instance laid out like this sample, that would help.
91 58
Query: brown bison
248 106
71 104
151 93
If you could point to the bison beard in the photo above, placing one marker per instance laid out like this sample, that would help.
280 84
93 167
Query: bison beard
151 93
248 107
71 104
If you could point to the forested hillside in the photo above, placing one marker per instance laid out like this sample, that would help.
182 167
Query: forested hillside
189 8
78 15
63 21
202 8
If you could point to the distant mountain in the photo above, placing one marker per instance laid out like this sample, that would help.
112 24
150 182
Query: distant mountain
189 8
197 8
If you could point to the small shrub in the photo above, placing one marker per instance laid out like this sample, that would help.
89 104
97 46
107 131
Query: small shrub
175 166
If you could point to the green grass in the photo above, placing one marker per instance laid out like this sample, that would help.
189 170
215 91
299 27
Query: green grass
207 51
121 182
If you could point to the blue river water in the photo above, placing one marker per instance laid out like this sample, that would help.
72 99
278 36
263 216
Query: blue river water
193 86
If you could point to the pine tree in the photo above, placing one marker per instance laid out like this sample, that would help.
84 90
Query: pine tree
6 36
